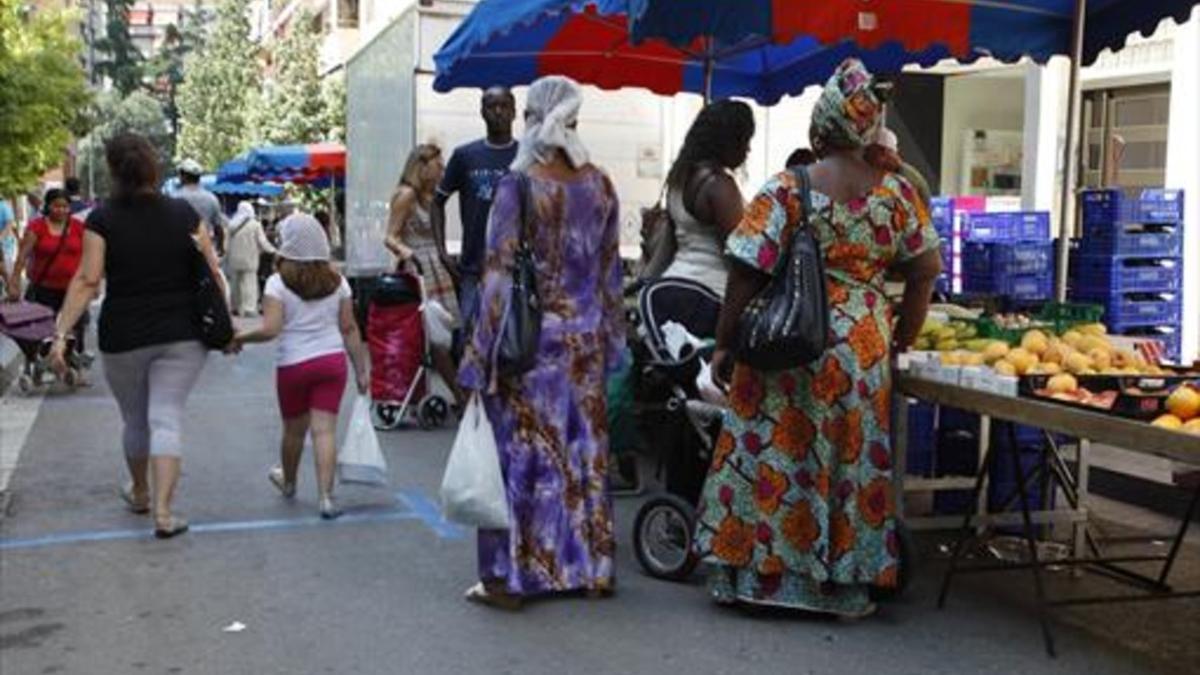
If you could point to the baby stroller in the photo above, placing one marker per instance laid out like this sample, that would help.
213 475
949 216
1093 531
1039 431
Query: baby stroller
672 417
404 384
31 326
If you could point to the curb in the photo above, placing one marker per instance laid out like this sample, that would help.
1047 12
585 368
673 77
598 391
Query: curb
10 364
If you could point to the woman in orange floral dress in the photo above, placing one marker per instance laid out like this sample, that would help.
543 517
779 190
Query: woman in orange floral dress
798 509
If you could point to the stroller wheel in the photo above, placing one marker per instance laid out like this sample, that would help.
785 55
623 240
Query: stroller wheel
662 537
71 378
385 416
433 412
906 560
25 384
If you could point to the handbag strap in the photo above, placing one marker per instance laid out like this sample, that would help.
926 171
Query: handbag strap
801 174
523 191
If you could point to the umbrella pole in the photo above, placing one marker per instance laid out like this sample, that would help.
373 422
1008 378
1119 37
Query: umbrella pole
1069 157
709 67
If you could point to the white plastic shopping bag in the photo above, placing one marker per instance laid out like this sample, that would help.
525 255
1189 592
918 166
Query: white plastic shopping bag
473 490
360 459
438 324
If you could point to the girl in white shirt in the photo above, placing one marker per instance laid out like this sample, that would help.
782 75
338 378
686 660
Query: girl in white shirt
307 306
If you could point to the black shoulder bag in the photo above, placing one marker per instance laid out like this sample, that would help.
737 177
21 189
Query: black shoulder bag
521 328
210 312
787 324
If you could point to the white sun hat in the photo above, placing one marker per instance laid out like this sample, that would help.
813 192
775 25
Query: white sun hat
302 239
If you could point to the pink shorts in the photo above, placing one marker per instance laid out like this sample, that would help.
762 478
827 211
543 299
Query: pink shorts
316 384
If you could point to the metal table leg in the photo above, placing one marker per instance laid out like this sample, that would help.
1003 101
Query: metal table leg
1031 540
966 532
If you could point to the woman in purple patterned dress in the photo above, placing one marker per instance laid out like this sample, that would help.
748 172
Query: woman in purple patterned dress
551 424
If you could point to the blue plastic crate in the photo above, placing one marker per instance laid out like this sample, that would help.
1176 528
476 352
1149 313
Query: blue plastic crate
1125 310
1007 226
922 439
1014 286
1107 275
1169 336
1008 258
1151 206
1123 240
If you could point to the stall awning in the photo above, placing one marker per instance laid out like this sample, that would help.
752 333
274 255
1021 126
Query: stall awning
314 164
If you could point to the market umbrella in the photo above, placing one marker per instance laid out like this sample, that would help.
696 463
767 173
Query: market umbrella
297 163
514 42
1006 30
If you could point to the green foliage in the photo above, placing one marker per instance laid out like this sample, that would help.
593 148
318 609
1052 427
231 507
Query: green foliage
123 63
165 69
45 94
220 82
333 120
292 108
138 113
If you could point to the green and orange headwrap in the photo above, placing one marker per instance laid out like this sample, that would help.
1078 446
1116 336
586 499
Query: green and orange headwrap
850 110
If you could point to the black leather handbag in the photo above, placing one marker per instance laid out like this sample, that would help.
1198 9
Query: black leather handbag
210 311
521 330
787 324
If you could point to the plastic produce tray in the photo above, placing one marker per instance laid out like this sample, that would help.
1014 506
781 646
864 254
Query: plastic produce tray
1106 275
1135 309
1124 240
1016 286
1007 226
1009 258
1151 206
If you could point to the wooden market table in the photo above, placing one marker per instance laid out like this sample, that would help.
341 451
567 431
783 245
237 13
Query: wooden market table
1054 418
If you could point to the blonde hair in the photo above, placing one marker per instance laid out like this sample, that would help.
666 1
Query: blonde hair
417 159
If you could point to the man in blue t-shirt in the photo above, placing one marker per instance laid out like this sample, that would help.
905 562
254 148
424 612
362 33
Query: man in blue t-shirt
472 172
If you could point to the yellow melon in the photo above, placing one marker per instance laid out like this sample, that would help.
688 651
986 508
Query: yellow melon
1184 402
1168 422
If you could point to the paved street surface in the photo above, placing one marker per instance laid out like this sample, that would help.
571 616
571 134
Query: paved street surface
84 589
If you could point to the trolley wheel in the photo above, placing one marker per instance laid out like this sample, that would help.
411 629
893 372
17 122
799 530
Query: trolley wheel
385 416
25 384
71 378
662 537
906 560
433 412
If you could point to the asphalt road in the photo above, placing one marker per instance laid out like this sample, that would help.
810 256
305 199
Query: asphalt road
84 589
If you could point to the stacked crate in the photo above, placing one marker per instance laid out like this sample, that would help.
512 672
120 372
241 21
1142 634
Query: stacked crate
1129 261
1009 255
950 216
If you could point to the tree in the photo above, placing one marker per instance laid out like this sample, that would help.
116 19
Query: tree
292 108
333 119
139 113
220 81
124 63
165 70
45 95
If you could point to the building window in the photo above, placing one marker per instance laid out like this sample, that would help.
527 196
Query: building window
1126 132
347 13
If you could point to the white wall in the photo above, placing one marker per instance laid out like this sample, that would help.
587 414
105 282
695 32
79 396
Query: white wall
991 100
1183 169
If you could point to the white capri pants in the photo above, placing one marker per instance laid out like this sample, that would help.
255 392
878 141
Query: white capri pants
151 386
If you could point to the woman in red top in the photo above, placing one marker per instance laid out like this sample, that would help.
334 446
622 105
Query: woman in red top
52 247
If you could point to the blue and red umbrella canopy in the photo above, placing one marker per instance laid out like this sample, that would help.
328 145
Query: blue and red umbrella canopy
1004 29
763 49
310 164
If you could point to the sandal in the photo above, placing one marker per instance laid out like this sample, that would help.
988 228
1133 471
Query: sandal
868 611
175 526
479 594
139 507
275 475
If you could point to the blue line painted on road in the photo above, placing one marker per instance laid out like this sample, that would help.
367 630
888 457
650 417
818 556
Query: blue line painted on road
415 506
429 513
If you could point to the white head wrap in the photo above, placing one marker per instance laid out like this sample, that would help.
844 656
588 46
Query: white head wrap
887 138
244 213
551 111
302 239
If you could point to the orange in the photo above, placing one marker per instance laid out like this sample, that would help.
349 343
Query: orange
1184 402
1168 422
